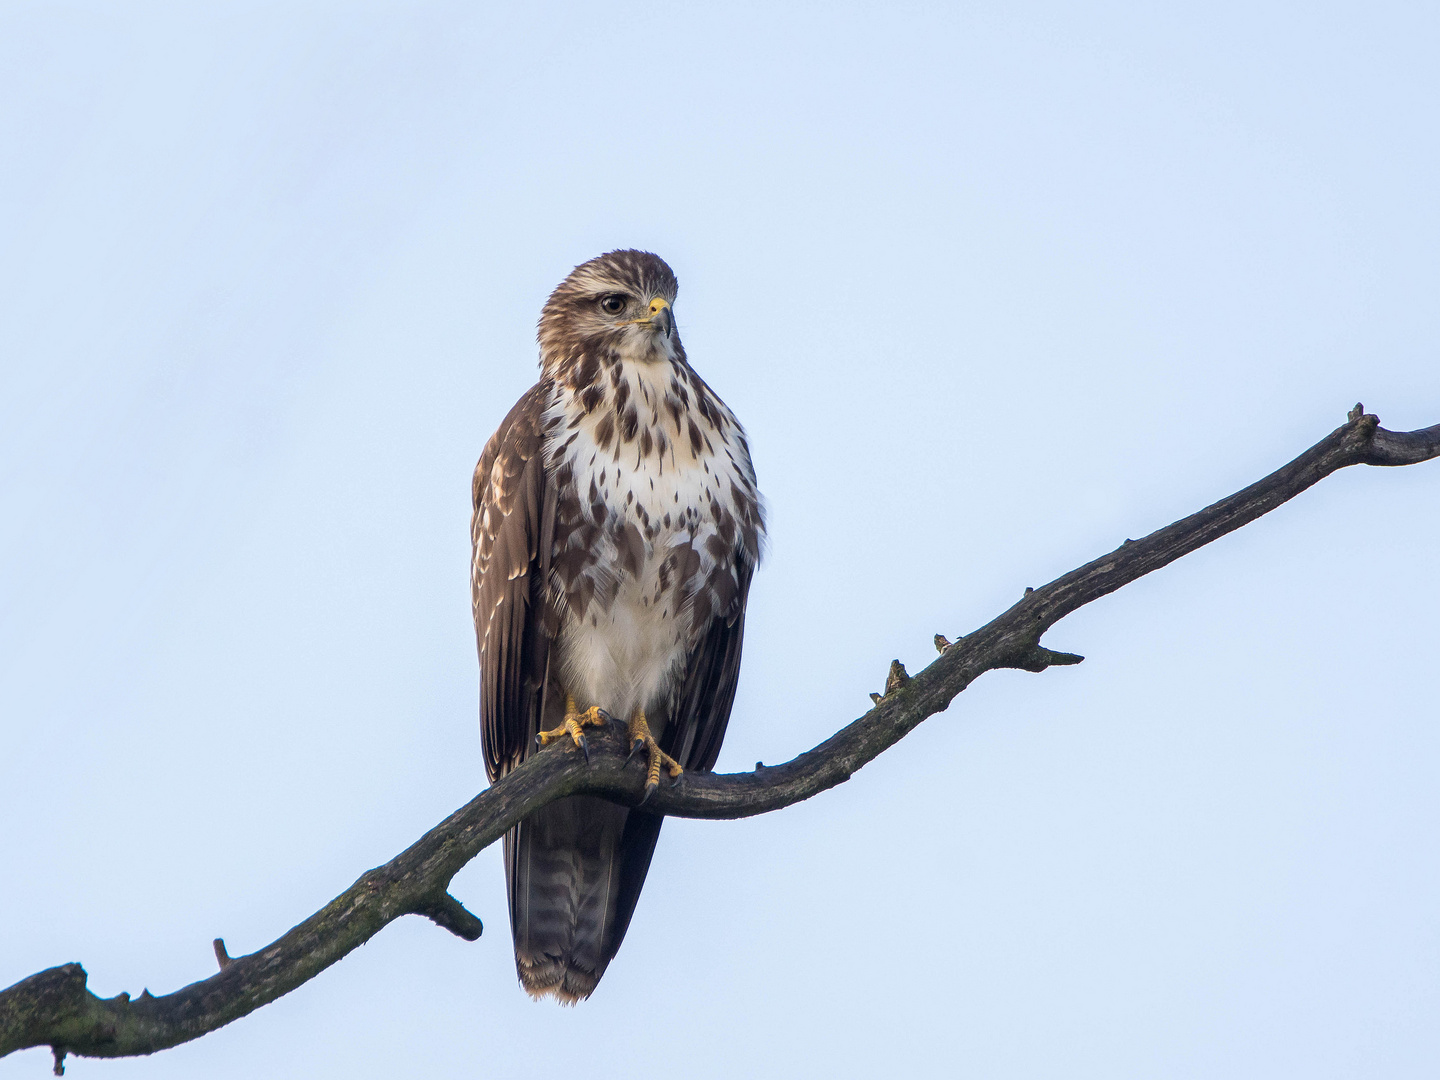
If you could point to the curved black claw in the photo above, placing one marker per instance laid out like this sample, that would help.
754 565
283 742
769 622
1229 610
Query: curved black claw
635 747
585 749
648 789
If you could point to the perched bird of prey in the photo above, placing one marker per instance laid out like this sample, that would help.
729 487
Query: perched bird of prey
617 525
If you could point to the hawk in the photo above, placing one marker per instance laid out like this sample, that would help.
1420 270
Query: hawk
617 525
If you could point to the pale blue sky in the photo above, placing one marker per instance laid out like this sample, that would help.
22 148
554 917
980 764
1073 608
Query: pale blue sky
992 288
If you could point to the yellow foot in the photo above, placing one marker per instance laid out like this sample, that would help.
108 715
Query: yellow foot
574 724
640 736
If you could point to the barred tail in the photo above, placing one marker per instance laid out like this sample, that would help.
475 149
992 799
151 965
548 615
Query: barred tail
574 870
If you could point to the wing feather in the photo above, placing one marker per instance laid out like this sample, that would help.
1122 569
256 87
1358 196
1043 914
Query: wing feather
511 536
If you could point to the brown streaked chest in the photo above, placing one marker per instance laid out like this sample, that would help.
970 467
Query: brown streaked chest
655 493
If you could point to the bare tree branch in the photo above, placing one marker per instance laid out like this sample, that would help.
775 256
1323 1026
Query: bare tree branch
54 1008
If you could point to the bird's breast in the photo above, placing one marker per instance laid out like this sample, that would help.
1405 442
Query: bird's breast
647 535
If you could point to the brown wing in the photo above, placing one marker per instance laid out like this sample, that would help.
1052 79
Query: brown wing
702 705
511 535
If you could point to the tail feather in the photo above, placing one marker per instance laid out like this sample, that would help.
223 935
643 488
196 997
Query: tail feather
574 870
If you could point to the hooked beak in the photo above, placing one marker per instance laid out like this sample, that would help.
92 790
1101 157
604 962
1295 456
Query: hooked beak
661 317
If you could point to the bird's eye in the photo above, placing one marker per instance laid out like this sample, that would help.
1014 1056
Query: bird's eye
614 304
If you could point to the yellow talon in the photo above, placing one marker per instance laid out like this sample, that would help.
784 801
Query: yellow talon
640 736
574 724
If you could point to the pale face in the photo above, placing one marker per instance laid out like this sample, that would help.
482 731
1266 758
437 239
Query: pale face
616 306
639 325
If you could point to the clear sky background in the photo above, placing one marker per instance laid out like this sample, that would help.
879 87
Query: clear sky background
993 288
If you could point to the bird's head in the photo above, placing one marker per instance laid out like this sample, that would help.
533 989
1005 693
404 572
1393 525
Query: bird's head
616 306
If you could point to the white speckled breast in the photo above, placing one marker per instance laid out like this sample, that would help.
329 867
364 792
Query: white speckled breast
656 500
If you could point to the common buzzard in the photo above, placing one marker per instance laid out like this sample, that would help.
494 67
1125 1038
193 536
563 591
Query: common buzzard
617 525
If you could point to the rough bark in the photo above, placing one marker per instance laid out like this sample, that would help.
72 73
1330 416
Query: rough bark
53 1008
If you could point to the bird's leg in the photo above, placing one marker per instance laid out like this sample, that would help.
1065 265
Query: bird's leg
574 725
640 736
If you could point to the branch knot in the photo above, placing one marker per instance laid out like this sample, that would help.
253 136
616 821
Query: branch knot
895 680
449 914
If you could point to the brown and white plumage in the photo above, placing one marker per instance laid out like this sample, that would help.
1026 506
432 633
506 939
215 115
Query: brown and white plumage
616 528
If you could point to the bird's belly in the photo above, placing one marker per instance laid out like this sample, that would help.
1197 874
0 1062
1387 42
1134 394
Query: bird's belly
628 654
